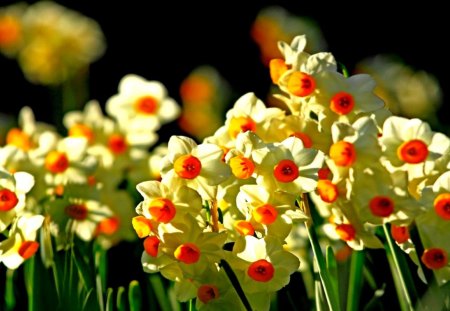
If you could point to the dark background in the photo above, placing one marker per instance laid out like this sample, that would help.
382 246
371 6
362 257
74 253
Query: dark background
165 40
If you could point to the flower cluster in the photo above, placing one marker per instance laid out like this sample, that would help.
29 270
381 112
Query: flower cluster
336 142
79 184
50 42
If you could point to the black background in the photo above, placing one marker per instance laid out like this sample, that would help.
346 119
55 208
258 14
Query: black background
165 40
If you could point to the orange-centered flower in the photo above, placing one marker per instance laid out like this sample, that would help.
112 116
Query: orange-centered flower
434 258
187 166
277 67
146 105
162 210
188 253
142 226
400 233
346 232
28 249
265 214
381 206
56 161
286 171
117 143
241 167
413 151
301 84
10 31
343 153
342 103
244 227
241 124
328 191
81 130
306 140
8 200
261 271
151 245
442 205
76 211
108 226
20 139
196 89
207 292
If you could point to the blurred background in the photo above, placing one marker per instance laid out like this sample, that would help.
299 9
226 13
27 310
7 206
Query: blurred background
166 41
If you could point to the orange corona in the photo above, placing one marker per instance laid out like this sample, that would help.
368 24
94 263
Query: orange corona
328 191
244 227
413 151
277 68
381 206
306 140
343 153
434 258
142 226
19 138
241 124
77 211
301 84
286 171
8 200
187 166
188 253
342 103
261 271
207 292
117 143
242 167
146 105
56 162
28 249
265 214
162 210
346 232
151 245
442 205
81 130
400 233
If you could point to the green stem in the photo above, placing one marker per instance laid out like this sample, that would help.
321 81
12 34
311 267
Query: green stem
235 282
402 289
355 280
330 294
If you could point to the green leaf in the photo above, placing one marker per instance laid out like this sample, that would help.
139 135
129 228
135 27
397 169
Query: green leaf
121 301
160 292
109 299
10 298
332 270
90 302
135 296
84 270
355 280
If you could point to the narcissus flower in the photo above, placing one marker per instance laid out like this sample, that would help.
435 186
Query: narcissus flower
200 167
21 243
142 101
166 203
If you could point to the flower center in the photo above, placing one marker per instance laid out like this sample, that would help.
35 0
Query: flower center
413 151
381 206
442 205
343 153
10 31
261 271
242 167
286 171
328 191
346 232
244 227
76 211
151 245
20 139
162 210
188 253
301 84
241 124
108 226
400 233
56 162
146 105
142 226
187 166
342 103
265 214
434 258
81 130
207 293
8 200
28 249
117 144
196 89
